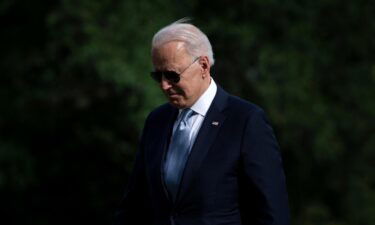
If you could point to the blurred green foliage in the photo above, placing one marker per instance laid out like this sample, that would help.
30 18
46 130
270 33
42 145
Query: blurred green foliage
74 92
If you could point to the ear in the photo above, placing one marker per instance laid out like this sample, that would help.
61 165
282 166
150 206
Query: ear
204 62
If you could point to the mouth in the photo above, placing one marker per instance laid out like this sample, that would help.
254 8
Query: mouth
173 95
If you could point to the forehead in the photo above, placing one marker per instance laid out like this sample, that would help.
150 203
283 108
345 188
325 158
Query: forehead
169 55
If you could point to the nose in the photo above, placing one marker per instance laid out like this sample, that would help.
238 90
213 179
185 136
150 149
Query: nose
165 84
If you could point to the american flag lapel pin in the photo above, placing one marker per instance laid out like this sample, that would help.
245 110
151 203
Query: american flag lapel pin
215 123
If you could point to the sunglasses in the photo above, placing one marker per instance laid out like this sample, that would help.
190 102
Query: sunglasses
170 76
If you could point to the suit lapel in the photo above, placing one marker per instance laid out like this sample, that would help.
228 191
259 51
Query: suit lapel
204 140
161 144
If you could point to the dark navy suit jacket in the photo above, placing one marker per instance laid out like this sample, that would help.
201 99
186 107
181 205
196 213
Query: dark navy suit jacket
233 176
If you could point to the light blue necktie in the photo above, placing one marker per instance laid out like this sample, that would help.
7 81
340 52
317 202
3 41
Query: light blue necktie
178 153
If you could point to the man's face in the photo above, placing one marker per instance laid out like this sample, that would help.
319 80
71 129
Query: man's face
172 56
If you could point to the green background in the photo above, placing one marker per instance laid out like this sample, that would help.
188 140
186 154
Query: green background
75 90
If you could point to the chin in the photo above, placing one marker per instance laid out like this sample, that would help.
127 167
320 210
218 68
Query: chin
177 104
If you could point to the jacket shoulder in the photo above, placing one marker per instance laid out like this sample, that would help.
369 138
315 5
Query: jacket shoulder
242 106
161 112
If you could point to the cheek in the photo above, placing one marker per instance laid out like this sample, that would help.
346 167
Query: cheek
188 88
187 92
181 88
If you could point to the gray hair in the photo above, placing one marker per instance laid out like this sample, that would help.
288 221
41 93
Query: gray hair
196 42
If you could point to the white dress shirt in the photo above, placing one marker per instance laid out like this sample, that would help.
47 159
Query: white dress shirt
200 108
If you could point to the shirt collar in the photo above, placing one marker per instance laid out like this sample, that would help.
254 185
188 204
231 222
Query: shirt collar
202 105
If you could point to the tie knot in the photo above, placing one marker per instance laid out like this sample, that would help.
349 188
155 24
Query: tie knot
185 114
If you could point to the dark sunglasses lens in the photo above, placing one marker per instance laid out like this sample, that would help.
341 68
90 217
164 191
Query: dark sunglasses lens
172 76
169 75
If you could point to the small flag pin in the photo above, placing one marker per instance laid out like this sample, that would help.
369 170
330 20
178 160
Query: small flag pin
215 123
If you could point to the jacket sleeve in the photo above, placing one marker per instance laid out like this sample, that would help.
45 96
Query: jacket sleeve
262 187
134 206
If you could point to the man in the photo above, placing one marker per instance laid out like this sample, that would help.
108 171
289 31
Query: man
206 157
